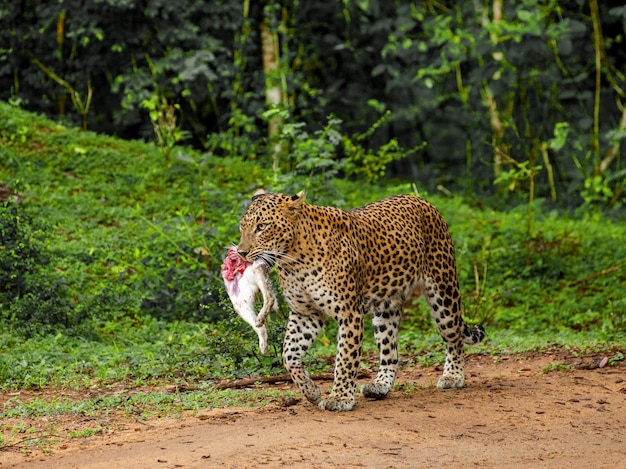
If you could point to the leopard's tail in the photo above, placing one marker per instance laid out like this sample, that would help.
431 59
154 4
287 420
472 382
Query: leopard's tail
474 335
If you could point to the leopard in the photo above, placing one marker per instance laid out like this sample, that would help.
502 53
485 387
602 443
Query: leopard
346 264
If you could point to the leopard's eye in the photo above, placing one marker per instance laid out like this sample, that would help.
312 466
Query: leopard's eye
260 227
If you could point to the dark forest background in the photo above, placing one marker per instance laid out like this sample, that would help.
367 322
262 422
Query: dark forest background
485 96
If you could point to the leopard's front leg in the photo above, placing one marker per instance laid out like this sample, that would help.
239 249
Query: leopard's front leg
386 324
350 338
300 334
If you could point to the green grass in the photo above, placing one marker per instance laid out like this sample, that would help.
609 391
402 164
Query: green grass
144 405
85 432
556 367
127 292
18 431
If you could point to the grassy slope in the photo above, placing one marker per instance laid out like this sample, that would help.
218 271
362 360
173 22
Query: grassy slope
127 228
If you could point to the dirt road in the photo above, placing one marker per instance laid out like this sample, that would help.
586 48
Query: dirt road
512 413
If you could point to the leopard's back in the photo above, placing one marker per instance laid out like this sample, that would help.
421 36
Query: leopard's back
404 241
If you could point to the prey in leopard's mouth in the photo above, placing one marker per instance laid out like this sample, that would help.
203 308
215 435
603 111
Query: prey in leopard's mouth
244 280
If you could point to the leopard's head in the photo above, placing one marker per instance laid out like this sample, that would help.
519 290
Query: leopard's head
269 227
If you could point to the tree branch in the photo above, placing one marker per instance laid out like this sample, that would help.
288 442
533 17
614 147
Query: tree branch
246 382
612 152
596 275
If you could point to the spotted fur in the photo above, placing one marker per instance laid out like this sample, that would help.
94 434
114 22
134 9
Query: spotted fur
344 264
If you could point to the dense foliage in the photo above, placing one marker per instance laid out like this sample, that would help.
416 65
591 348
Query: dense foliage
509 97
110 263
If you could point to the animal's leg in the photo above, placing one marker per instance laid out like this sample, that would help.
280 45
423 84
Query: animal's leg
269 298
300 334
445 306
453 370
346 363
265 311
386 333
262 333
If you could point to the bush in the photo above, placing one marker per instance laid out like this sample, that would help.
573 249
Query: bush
33 297
21 251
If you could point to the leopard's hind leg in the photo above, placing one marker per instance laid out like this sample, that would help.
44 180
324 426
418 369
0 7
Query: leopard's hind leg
445 303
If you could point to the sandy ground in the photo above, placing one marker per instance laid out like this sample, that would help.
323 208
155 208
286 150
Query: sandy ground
512 413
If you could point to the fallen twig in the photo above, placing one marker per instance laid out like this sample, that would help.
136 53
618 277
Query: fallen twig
245 382
596 275
20 443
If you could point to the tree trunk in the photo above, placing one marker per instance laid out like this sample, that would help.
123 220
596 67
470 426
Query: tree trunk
274 95
501 150
598 48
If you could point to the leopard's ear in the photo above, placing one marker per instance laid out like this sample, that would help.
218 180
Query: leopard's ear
296 203
299 196
258 193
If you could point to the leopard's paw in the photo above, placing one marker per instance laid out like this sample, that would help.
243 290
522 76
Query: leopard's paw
313 395
451 381
375 390
336 404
